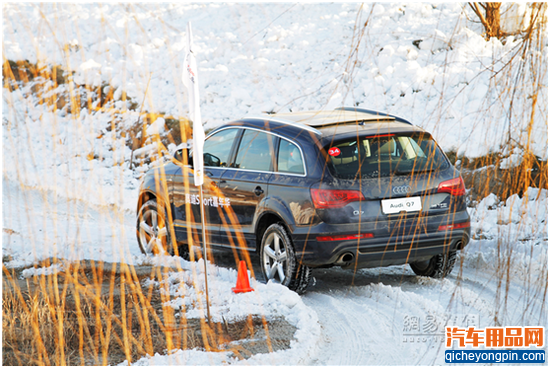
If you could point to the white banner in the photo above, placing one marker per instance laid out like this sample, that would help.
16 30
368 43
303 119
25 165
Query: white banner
190 79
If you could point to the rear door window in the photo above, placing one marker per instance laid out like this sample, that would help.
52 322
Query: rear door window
384 155
255 151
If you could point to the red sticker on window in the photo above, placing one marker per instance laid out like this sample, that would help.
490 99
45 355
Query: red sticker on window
334 151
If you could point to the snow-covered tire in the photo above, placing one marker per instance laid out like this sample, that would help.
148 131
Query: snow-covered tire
437 267
153 230
278 260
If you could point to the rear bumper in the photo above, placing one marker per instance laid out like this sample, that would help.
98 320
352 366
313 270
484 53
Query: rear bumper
407 243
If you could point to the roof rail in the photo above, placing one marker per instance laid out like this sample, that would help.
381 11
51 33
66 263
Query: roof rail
287 122
374 112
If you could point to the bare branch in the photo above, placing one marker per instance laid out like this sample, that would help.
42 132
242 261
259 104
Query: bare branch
477 10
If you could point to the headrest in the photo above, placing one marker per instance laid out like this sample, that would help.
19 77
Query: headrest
387 148
345 152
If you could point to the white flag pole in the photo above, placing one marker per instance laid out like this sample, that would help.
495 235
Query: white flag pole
190 79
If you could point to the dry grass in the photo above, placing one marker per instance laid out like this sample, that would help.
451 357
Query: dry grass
484 176
95 314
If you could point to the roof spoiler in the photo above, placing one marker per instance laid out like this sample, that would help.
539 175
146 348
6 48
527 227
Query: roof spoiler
373 112
287 122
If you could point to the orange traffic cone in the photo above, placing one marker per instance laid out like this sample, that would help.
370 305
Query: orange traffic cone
243 285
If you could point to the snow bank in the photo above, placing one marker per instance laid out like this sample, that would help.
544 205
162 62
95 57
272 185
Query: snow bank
425 62
187 291
528 216
512 234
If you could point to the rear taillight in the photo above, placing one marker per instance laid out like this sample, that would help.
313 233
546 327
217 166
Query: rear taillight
461 225
329 198
454 187
345 237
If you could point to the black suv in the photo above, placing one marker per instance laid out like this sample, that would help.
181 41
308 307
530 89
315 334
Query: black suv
349 187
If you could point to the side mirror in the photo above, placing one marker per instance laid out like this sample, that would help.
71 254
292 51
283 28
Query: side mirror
182 149
211 160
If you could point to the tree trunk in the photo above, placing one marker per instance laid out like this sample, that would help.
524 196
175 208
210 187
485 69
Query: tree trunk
492 15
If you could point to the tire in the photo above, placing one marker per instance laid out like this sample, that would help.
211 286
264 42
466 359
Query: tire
437 267
183 251
153 230
278 260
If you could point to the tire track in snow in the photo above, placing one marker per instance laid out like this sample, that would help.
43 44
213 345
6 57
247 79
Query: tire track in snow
519 303
363 325
362 317
344 333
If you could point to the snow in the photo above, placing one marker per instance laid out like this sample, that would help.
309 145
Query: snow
30 272
442 83
157 127
68 191
513 160
269 300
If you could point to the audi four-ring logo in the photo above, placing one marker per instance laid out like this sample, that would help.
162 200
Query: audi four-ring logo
403 189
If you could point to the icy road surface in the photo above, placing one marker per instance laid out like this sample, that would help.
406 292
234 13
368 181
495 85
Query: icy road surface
389 315
384 316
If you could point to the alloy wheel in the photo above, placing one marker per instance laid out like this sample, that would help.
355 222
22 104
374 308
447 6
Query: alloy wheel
153 232
275 258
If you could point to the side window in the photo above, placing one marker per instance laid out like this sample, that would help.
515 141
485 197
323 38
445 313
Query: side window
217 148
255 151
290 158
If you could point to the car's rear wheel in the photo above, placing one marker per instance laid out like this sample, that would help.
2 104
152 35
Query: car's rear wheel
153 230
278 260
437 267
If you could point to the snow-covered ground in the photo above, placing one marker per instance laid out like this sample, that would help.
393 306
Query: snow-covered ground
344 318
68 191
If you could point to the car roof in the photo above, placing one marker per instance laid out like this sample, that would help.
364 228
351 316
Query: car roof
329 125
332 123
326 118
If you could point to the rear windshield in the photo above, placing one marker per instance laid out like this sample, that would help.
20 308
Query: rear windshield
385 155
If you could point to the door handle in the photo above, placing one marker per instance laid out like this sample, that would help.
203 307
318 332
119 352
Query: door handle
258 191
